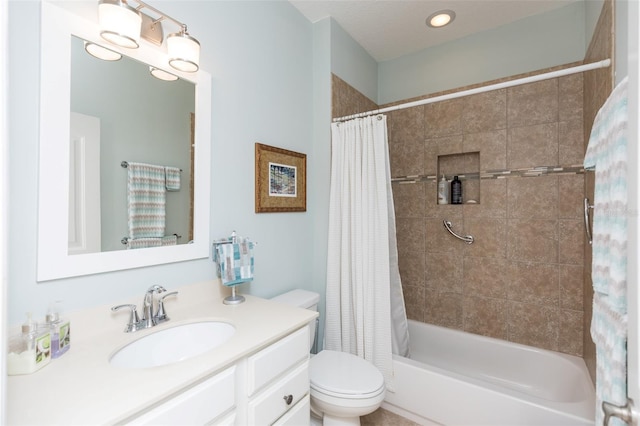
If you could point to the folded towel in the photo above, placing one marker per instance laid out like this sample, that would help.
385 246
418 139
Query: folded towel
138 243
235 262
147 200
172 178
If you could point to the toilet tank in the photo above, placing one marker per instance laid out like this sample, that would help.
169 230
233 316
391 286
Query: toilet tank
302 299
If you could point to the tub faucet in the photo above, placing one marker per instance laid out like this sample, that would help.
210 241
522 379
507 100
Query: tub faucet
148 320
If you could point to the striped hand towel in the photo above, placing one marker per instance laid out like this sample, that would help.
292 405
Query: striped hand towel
138 243
235 262
147 200
607 152
172 178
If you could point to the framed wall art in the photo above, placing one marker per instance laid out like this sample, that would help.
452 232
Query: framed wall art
281 180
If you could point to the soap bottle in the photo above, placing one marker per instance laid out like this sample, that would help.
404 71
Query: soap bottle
29 351
456 191
60 331
443 191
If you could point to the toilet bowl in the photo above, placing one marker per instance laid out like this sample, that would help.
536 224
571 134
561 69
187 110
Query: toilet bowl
343 386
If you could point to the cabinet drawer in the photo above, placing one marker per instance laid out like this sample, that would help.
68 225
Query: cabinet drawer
277 359
268 406
298 415
199 405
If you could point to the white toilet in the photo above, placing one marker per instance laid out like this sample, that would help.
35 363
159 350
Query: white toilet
343 386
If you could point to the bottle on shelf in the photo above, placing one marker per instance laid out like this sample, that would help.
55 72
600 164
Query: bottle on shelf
456 191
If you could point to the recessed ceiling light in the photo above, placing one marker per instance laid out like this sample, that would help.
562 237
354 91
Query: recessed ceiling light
441 18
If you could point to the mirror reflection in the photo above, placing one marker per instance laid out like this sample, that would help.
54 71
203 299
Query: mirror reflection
122 116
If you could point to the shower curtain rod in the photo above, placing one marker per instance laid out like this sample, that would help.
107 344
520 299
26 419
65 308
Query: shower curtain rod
545 76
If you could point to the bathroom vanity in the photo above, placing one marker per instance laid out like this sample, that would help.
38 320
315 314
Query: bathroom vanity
259 376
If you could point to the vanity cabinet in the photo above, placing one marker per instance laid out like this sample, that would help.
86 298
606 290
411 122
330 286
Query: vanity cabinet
268 387
202 404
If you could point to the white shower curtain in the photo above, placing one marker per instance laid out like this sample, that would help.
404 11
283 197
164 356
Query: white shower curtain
365 313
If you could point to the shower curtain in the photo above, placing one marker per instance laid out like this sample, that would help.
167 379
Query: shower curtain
365 313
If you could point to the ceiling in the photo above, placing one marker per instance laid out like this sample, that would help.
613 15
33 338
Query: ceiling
388 29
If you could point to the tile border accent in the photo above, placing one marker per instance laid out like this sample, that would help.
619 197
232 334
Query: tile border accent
500 174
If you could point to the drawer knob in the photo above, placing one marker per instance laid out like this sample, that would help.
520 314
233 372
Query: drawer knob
288 399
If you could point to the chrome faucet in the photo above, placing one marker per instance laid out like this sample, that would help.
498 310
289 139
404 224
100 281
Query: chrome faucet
150 317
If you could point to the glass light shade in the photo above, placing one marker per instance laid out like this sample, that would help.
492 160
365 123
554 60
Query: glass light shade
441 18
101 52
120 23
184 52
162 74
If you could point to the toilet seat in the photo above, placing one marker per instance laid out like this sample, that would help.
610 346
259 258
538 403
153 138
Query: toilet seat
344 375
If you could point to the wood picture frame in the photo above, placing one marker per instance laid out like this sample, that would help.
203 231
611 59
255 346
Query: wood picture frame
281 180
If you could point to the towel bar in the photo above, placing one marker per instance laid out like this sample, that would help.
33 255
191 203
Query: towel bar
125 240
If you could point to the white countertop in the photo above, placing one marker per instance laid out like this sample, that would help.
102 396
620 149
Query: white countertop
81 387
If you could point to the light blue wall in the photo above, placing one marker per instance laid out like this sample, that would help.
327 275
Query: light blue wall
352 63
541 41
260 58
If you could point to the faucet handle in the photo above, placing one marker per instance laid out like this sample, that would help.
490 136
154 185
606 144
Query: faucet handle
161 316
156 288
134 320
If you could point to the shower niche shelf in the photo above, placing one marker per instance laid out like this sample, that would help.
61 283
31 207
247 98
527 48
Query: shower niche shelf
466 166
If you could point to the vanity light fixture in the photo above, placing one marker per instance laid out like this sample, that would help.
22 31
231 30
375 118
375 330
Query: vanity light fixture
120 23
162 74
124 25
101 52
441 18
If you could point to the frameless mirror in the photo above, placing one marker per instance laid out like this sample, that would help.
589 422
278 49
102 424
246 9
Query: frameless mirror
63 32
121 113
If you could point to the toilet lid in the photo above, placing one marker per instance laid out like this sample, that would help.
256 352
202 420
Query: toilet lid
344 373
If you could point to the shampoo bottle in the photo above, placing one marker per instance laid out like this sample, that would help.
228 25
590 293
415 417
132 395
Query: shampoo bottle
60 331
456 191
443 191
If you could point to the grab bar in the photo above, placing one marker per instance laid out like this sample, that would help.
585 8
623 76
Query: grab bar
587 228
467 238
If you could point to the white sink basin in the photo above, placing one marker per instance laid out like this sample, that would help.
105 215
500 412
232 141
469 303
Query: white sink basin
173 344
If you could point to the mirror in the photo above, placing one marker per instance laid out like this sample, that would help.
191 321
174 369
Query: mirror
59 27
137 118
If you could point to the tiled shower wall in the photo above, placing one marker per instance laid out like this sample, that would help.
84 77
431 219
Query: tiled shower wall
521 280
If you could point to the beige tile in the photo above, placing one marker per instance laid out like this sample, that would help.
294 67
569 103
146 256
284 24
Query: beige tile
485 112
443 309
533 103
486 277
485 316
443 118
571 195
409 199
414 295
534 325
571 287
410 234
532 146
535 283
531 240
489 237
570 97
438 239
406 142
571 240
382 417
443 272
492 147
436 152
412 267
532 197
415 312
451 212
493 196
570 339
571 142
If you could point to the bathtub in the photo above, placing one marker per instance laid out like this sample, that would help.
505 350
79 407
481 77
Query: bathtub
458 378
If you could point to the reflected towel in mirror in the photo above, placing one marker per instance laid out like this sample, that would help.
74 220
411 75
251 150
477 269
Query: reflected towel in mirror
147 200
172 178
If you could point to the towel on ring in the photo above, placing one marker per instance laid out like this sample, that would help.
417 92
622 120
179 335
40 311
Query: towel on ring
235 262
172 178
138 243
147 200
607 152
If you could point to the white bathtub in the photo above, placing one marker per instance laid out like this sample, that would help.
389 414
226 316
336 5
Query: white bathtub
458 378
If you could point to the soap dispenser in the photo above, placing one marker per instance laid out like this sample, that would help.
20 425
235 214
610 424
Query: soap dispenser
60 331
30 350
443 191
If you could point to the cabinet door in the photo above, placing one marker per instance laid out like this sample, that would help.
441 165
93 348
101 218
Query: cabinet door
200 405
